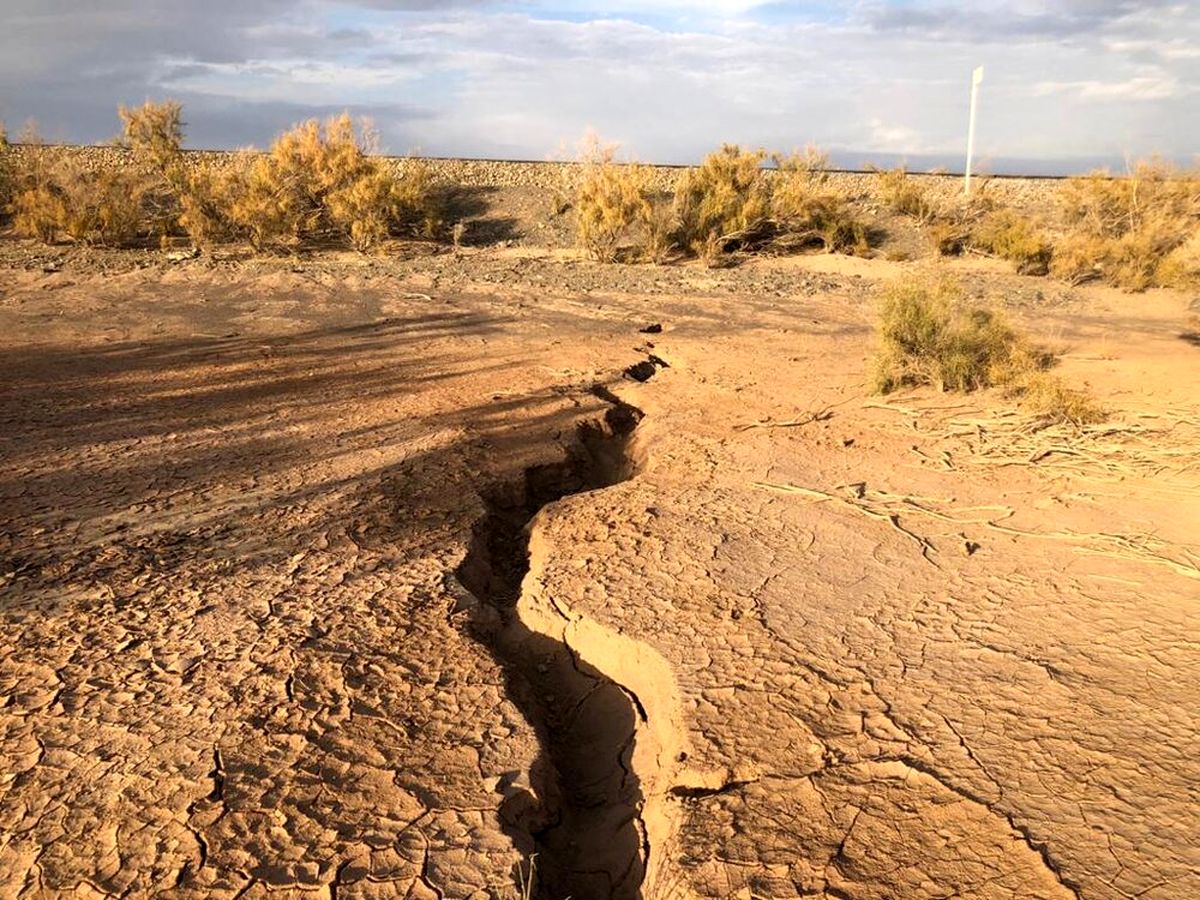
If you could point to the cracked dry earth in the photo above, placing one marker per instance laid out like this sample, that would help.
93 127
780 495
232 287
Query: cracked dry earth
388 583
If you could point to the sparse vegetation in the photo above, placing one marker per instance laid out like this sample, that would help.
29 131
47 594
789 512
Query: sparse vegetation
1181 267
615 209
1132 232
6 172
727 194
928 334
728 203
1051 402
318 181
153 135
204 212
901 193
979 223
1009 235
808 210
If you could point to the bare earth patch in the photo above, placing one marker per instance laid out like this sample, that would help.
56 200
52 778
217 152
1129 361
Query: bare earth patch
401 577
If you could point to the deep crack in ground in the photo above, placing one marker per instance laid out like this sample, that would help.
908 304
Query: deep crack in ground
581 814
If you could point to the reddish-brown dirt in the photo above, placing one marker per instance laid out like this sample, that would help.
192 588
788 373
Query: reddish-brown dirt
399 577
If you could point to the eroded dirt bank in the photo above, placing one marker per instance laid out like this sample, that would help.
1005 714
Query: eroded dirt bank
386 580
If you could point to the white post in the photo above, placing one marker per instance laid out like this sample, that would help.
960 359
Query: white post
976 78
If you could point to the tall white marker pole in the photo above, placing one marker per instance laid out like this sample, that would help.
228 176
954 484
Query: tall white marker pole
976 79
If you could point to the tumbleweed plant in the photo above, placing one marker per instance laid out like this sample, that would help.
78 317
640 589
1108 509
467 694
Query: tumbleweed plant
1013 237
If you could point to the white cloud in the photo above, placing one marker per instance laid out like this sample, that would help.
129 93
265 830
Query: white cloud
1145 87
669 78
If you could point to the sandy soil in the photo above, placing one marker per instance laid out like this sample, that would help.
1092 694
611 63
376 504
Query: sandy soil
386 577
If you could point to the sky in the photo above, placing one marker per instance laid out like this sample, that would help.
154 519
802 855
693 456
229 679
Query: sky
1067 85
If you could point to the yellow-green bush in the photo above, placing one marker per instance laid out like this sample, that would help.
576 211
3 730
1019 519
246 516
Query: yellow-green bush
1181 267
1009 235
6 172
929 334
731 202
902 194
102 207
807 210
1128 231
1051 402
317 182
611 202
727 194
153 135
35 204
204 201
54 194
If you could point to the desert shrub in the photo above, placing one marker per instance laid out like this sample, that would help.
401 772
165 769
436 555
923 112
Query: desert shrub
206 198
727 194
1011 236
32 201
1051 402
364 208
928 334
153 135
904 195
102 208
416 204
807 210
712 252
949 235
617 213
319 181
1127 230
1181 267
54 192
263 202
728 203
611 202
660 231
6 172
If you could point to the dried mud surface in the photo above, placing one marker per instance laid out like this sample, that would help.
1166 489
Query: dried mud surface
398 577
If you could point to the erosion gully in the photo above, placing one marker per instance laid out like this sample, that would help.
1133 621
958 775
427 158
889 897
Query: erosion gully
594 808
